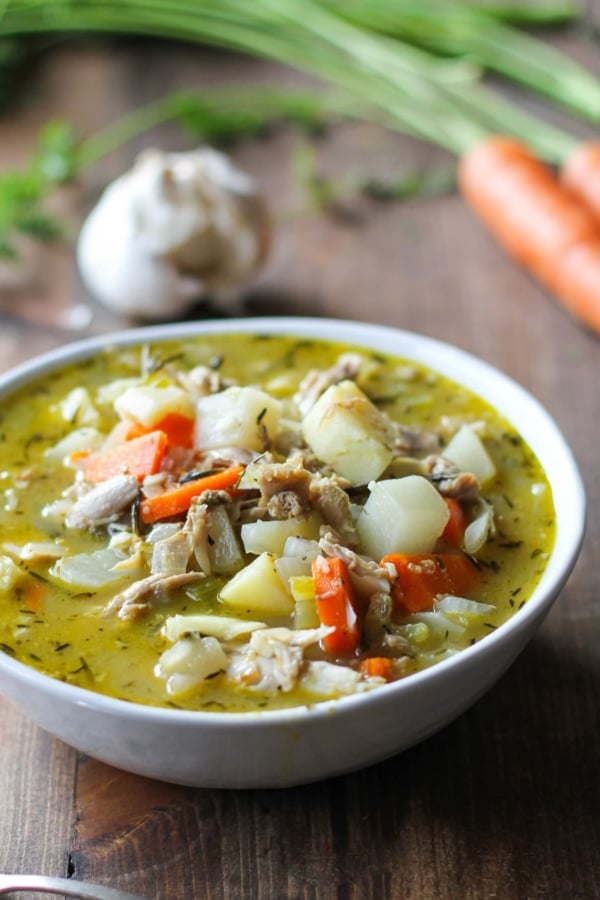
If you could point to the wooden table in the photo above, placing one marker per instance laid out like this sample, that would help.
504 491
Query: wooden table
505 802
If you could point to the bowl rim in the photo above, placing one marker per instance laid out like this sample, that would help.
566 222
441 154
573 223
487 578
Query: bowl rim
438 355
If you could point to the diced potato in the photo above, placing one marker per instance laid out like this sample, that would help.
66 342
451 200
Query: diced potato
236 417
258 589
466 450
149 403
270 536
224 628
348 432
402 515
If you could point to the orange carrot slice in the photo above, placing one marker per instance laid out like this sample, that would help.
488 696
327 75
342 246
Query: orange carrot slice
178 428
336 605
140 456
378 667
456 525
177 500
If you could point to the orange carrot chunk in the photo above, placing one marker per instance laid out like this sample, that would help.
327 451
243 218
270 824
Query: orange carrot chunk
178 428
177 500
580 174
456 525
140 456
420 578
378 667
35 593
537 220
336 605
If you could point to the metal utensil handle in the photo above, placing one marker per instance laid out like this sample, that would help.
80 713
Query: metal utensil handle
68 887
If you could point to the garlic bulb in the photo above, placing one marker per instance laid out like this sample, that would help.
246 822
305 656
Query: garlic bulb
175 228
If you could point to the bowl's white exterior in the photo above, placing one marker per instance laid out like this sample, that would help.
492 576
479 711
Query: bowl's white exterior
282 748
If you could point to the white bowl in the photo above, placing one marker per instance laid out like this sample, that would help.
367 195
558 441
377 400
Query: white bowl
295 746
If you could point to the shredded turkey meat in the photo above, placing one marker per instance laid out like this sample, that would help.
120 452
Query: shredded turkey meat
273 658
98 505
449 480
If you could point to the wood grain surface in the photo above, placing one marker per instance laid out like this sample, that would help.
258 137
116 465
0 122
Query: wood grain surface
505 802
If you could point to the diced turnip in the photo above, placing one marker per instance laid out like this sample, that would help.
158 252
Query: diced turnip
258 589
148 404
466 450
271 536
236 417
402 515
347 431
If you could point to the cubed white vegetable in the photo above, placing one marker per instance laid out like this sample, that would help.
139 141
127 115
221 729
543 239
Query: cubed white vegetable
347 431
466 450
258 589
270 536
148 403
402 515
236 417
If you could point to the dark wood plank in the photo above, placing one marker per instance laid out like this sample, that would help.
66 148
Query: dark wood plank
37 783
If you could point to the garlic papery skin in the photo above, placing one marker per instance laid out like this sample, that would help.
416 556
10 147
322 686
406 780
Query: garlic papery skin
176 228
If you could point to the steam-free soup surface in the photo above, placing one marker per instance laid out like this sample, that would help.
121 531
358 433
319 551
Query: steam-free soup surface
239 522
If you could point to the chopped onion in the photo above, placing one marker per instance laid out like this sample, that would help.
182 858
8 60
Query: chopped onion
460 606
480 529
90 570
226 628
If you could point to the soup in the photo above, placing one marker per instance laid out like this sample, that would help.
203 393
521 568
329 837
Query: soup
239 522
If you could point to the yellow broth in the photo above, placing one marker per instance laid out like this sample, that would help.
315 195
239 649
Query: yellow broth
62 633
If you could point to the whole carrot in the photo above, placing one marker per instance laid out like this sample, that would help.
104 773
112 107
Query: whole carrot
580 174
537 220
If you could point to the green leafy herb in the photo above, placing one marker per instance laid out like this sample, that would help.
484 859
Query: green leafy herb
412 66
